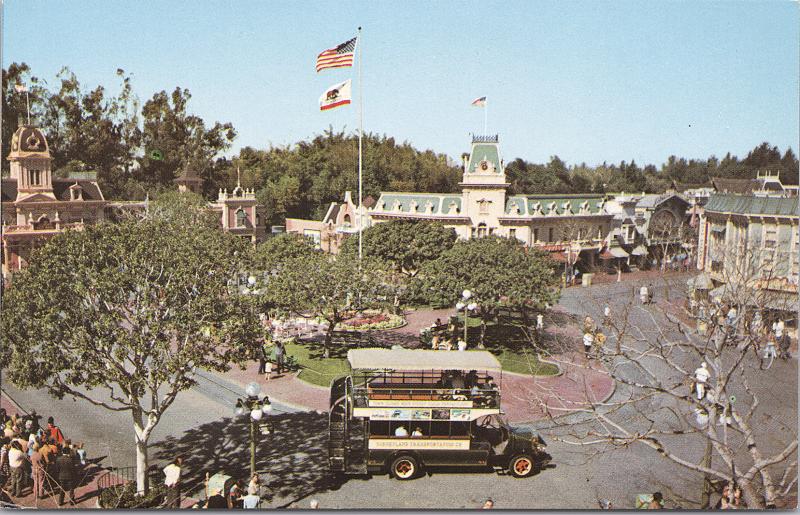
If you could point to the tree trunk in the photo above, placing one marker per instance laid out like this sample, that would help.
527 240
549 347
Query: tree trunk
705 499
140 437
326 345
483 333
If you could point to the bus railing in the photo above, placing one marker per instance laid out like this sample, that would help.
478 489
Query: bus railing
480 398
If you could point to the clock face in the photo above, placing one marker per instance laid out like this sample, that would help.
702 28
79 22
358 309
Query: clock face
484 165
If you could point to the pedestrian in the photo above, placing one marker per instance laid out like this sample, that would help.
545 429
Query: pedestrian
65 474
262 357
81 452
16 461
606 314
54 431
650 293
462 345
38 472
701 376
254 485
216 501
313 504
588 325
539 322
588 342
172 480
250 501
643 294
279 352
488 504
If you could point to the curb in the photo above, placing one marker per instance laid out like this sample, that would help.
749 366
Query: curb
13 402
292 405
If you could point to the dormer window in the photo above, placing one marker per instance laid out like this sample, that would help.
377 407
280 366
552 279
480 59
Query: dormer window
452 208
585 207
552 208
75 192
397 206
241 218
429 207
412 206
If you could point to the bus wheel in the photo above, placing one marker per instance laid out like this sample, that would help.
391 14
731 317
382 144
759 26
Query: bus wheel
521 465
404 467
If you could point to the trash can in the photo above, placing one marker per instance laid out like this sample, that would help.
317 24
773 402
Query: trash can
587 280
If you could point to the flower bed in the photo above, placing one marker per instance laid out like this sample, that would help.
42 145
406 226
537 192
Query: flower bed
367 322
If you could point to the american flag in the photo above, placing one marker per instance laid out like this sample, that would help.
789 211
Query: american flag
337 57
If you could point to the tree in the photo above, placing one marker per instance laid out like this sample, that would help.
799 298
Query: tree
499 272
124 316
653 361
404 245
183 208
331 287
173 139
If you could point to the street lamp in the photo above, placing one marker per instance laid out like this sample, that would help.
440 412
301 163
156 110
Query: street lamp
467 307
258 406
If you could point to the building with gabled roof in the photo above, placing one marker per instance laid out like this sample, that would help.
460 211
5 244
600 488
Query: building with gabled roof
35 205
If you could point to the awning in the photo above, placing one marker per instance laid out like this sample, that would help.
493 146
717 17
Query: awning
618 252
415 359
700 282
718 230
639 251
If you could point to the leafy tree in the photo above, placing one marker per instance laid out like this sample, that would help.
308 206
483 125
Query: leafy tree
498 271
327 286
173 139
125 315
403 245
186 208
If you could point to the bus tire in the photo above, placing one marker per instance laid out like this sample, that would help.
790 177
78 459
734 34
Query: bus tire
521 465
404 467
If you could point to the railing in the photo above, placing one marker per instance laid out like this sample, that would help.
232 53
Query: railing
480 398
116 476
485 138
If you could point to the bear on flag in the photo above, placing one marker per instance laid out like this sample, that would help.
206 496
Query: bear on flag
335 96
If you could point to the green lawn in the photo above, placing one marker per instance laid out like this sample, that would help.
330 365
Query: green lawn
317 370
525 363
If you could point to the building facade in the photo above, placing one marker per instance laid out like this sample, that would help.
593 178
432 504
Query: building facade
35 205
753 240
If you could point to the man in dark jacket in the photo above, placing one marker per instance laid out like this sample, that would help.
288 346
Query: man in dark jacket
66 475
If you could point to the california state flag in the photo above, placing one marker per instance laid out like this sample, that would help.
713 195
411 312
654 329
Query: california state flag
335 96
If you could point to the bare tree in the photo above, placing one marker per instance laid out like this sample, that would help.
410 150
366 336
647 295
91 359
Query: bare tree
653 359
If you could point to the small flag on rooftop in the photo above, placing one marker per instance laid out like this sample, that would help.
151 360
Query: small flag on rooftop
335 96
479 102
337 57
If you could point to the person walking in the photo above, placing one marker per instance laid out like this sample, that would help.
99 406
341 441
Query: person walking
588 342
279 353
539 322
701 376
643 294
650 293
54 432
172 480
606 314
65 475
262 357
38 472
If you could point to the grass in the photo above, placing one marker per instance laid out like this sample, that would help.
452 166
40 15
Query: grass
525 363
316 369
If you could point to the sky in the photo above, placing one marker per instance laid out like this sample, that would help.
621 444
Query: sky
589 81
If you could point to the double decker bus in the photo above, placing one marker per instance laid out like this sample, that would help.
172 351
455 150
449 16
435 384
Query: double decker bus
403 410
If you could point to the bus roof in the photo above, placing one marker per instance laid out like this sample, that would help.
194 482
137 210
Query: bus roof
413 359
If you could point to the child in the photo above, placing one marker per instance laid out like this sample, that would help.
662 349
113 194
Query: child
268 369
81 453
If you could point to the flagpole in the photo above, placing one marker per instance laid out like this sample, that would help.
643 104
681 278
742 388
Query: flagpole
360 135
486 117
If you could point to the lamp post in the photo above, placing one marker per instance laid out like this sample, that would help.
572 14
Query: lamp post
467 307
257 405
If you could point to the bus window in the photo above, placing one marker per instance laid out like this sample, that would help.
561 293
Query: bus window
379 428
459 428
440 428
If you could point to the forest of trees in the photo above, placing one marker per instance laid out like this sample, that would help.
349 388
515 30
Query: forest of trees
137 148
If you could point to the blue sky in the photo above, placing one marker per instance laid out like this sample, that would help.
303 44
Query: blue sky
587 81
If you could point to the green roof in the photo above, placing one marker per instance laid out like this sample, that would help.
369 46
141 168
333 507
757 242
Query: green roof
752 205
484 152
440 203
525 204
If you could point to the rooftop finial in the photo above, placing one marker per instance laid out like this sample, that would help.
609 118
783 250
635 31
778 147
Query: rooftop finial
238 177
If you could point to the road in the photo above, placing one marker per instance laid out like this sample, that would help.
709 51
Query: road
198 427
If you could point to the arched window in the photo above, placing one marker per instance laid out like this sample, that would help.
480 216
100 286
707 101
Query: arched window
347 221
481 230
241 218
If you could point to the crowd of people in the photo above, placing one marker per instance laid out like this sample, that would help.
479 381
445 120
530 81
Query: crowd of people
38 457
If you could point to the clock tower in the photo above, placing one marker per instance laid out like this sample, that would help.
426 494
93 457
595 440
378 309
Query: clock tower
484 186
